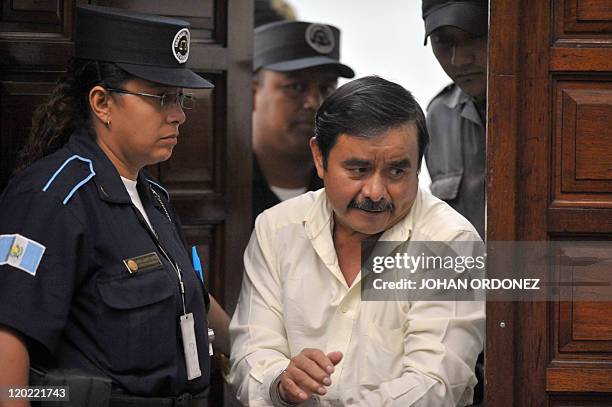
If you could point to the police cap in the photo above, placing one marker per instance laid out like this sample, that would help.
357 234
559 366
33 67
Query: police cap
469 15
147 46
292 45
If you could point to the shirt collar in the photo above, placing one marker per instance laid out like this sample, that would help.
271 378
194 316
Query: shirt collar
319 217
457 99
107 179
402 230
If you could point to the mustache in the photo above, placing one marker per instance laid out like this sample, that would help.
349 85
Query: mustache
371 206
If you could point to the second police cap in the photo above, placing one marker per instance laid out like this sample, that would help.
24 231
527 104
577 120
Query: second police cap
292 45
469 15
150 47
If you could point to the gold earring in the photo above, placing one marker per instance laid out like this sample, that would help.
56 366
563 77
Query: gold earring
108 123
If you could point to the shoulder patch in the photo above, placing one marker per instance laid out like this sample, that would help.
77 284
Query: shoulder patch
20 252
79 184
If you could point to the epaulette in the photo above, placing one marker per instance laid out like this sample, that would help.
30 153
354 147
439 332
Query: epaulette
442 92
79 183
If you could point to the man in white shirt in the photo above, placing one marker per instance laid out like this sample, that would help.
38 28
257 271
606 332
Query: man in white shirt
301 335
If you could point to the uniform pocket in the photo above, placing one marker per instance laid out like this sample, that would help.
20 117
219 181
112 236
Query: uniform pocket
446 187
383 355
138 320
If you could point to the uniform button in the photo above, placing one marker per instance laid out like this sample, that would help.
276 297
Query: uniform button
344 309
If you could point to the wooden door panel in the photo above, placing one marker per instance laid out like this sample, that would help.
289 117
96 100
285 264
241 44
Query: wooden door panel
549 108
593 10
578 401
592 321
582 331
582 154
46 16
579 378
578 16
193 167
35 33
18 100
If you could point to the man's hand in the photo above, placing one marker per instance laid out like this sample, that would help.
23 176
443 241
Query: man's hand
307 373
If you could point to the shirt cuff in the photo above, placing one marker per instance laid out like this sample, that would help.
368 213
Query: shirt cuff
277 400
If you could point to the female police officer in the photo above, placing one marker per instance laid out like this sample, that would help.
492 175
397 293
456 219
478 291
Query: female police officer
93 272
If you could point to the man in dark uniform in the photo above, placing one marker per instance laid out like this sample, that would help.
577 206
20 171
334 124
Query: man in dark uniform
296 65
97 288
456 117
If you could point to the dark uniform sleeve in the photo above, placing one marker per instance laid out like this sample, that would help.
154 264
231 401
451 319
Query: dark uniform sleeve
37 281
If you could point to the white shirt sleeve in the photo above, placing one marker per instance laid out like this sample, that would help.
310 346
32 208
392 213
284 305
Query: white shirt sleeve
260 350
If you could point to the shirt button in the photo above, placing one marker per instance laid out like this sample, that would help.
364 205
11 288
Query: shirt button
344 309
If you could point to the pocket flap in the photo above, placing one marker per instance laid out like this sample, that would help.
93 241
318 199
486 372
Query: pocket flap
447 186
137 290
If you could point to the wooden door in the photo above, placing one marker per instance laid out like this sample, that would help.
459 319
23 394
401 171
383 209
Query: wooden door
209 175
549 178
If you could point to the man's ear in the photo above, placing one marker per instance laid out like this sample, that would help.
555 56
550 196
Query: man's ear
99 103
317 156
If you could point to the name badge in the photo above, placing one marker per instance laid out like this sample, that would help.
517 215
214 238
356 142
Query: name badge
190 346
142 263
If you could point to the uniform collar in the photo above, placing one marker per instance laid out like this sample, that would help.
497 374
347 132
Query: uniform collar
107 179
464 102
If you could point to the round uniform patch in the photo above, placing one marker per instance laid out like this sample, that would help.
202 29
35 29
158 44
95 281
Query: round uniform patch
321 38
180 45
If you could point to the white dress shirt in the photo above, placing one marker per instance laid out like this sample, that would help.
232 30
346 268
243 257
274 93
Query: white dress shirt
294 296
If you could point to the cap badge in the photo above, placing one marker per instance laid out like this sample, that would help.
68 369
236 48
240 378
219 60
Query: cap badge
321 38
180 45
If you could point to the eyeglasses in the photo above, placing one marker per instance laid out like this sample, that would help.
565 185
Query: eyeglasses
186 101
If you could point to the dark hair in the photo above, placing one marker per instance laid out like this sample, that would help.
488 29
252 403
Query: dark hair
67 108
367 107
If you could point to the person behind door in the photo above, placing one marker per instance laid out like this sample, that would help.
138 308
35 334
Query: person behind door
95 280
296 65
456 117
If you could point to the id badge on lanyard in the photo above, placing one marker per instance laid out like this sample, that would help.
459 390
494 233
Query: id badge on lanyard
190 346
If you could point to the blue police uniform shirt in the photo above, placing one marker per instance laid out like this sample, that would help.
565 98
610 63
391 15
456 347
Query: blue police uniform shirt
79 301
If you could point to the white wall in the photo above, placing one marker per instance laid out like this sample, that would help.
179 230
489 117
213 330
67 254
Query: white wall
384 38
